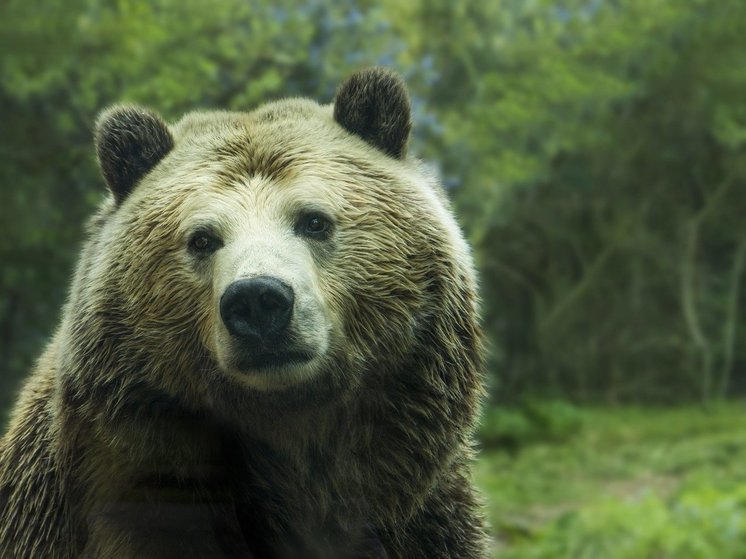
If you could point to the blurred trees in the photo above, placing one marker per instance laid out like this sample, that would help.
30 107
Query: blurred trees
612 252
594 150
600 150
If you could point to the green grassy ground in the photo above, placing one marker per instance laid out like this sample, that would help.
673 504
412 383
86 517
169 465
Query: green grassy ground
630 484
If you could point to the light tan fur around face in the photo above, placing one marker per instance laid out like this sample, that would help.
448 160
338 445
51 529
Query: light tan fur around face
137 411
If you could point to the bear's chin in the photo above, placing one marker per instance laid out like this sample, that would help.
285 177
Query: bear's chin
272 372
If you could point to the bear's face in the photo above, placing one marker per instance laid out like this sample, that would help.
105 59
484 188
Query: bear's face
261 252
274 249
263 256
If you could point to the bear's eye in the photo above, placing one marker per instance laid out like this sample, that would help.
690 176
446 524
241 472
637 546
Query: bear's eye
315 226
203 242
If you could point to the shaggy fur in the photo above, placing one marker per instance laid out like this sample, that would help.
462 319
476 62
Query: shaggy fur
138 436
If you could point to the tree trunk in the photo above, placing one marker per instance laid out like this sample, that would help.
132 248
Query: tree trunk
731 318
691 313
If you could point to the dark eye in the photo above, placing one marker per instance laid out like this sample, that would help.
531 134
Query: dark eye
203 242
315 226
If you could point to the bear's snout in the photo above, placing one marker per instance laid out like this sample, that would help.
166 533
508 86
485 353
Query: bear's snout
257 310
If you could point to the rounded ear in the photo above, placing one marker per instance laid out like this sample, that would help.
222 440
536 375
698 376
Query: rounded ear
374 104
130 141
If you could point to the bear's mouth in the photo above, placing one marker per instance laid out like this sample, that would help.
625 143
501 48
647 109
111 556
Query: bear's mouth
272 360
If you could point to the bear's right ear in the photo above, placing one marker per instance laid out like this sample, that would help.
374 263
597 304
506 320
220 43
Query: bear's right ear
130 141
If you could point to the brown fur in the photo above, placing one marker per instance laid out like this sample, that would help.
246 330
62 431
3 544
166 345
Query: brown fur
131 439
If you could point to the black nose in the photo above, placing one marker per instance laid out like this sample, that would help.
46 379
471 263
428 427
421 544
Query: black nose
257 308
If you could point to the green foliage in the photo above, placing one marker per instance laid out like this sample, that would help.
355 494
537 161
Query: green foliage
699 524
605 204
633 483
536 421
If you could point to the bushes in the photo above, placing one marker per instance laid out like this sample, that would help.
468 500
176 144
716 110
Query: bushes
535 421
624 483
702 522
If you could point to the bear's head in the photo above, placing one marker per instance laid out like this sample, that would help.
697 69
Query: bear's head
289 256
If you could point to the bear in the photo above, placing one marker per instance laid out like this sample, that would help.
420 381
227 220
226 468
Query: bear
270 347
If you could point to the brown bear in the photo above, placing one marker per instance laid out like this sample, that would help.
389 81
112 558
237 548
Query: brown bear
270 348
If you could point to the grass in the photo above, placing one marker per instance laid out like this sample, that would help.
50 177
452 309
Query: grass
627 484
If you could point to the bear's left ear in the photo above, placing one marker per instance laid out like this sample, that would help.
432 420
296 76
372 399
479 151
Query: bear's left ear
130 141
374 104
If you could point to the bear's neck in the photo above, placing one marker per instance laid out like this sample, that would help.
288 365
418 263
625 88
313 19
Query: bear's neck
310 490
350 467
